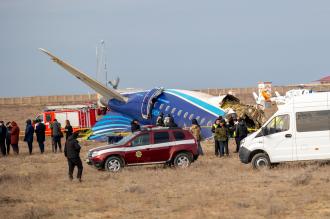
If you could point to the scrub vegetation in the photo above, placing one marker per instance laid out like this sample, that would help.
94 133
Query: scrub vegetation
37 186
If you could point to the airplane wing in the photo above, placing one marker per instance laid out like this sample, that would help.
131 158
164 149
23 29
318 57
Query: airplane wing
94 84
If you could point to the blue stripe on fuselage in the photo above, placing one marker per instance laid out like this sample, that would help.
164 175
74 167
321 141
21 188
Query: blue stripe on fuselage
207 106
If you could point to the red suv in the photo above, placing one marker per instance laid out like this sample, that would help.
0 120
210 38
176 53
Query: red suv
151 146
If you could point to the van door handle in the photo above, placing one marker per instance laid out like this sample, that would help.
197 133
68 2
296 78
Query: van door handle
288 135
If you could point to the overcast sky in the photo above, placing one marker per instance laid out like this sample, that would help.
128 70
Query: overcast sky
176 44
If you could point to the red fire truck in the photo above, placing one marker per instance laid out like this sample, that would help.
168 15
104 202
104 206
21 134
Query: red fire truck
81 117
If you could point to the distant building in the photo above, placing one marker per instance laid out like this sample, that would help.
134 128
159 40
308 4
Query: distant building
324 80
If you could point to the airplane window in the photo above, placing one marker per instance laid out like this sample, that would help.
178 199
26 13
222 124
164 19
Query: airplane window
179 113
209 123
203 120
173 110
161 106
167 108
191 116
185 115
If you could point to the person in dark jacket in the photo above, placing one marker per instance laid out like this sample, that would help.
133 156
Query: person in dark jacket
240 133
160 120
216 142
3 135
68 129
14 137
40 133
8 126
135 126
71 152
28 138
57 135
171 123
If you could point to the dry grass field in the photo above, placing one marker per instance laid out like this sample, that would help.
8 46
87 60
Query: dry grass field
37 186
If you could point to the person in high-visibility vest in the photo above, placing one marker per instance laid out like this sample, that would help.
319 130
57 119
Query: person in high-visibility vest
216 142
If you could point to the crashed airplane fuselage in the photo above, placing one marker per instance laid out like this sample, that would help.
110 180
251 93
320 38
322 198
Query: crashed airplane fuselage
145 106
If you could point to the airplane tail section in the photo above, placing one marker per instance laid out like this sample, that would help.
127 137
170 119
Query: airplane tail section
106 92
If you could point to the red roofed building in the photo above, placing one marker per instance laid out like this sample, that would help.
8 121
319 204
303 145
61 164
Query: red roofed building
324 80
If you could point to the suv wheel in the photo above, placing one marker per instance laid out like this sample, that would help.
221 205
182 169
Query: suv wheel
113 164
260 161
182 160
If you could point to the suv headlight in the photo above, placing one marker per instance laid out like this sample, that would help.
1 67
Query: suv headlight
95 153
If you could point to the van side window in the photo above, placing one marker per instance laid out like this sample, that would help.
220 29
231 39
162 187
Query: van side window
278 124
179 136
161 137
141 140
313 121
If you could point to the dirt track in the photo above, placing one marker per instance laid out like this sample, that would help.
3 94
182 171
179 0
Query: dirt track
37 186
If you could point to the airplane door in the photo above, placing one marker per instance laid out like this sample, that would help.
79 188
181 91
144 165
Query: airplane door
137 152
278 139
313 135
148 102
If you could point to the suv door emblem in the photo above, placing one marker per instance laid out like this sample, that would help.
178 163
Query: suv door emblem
138 154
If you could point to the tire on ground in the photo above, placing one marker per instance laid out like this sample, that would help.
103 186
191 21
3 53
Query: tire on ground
182 160
260 161
113 164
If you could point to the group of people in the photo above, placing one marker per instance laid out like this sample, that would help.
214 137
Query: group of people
10 133
223 130
9 136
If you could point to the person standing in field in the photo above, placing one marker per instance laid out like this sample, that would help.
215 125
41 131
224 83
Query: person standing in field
41 136
240 133
195 129
221 135
216 142
14 137
68 129
8 126
72 153
28 138
57 135
3 134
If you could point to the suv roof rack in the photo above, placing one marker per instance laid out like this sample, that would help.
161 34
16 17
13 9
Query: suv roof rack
149 128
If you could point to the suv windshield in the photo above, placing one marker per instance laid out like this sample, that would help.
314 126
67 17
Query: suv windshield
126 138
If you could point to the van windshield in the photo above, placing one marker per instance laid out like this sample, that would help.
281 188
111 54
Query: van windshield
278 124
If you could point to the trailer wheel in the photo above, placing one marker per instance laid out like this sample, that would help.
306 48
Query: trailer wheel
260 161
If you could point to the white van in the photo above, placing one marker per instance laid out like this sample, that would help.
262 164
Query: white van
299 130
